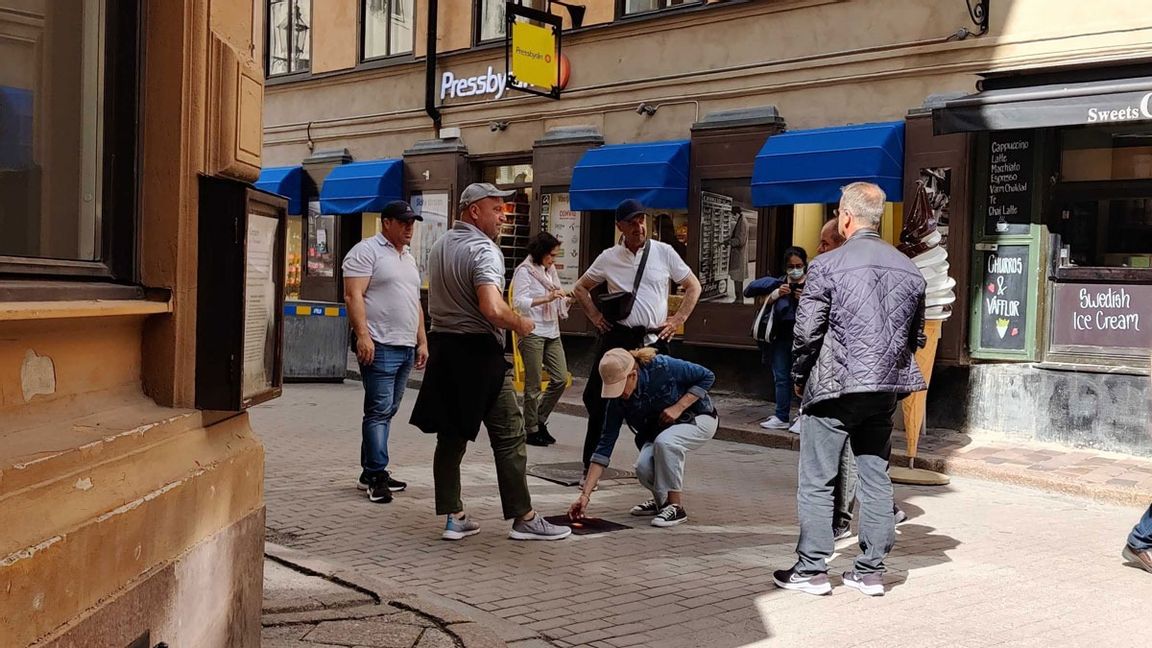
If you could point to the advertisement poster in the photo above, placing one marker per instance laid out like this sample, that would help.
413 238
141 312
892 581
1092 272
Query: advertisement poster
564 224
433 207
260 307
717 221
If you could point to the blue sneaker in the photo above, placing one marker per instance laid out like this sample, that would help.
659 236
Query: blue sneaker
459 529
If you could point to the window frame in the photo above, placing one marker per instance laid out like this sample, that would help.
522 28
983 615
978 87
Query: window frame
119 159
268 74
478 15
622 5
363 30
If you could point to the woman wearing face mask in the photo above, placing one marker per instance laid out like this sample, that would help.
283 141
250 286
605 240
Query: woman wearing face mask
783 295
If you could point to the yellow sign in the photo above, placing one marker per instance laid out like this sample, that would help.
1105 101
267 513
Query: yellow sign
533 55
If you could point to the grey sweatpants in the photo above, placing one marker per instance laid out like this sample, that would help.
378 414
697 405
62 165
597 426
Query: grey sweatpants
660 465
863 421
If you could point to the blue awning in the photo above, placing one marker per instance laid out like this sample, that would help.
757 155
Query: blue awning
362 187
284 181
810 166
655 173
16 115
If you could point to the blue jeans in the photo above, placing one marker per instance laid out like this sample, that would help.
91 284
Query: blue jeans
780 355
384 383
1141 538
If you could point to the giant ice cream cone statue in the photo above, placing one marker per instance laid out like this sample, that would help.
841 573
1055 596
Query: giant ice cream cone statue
920 240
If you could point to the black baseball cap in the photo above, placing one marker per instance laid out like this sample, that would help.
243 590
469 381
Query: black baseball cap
628 208
399 210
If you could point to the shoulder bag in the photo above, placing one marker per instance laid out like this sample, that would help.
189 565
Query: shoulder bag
616 307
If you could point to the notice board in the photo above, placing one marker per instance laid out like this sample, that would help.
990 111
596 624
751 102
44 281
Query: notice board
1003 305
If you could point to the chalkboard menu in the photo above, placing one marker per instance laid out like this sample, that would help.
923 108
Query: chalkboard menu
1004 298
1102 315
1009 198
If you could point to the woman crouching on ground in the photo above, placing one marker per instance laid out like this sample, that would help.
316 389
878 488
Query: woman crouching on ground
665 401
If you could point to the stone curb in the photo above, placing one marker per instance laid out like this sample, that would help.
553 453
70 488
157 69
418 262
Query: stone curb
468 627
957 466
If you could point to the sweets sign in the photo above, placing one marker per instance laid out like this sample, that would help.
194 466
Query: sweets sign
1117 316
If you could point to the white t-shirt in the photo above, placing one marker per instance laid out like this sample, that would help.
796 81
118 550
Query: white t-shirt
618 267
525 290
392 301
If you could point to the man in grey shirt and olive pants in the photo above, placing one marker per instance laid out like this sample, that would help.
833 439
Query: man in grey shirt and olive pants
468 381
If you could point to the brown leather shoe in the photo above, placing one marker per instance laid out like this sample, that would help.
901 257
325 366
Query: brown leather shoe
1140 558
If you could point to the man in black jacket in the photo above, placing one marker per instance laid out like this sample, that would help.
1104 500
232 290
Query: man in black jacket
859 323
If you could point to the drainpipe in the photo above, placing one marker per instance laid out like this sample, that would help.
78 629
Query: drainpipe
430 70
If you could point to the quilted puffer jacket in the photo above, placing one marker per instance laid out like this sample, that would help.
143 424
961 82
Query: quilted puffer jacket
860 320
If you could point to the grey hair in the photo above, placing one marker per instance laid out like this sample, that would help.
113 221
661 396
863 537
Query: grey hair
865 202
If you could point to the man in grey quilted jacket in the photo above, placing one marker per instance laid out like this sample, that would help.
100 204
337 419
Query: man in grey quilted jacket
857 327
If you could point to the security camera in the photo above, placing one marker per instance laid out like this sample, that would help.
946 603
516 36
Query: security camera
645 109
497 126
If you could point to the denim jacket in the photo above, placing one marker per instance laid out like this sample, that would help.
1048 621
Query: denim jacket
660 384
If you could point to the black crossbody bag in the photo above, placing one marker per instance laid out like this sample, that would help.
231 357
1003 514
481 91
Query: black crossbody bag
616 307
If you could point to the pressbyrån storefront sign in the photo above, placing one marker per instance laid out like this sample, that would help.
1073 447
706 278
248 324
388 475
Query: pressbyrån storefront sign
487 82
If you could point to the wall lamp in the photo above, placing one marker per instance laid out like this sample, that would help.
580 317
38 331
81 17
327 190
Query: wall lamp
646 109
575 12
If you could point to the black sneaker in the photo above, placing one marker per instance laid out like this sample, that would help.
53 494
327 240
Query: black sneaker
841 534
670 516
815 584
646 509
542 430
378 490
535 439
362 483
394 485
869 584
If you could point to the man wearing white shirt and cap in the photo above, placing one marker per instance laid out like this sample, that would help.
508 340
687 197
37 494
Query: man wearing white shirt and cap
643 268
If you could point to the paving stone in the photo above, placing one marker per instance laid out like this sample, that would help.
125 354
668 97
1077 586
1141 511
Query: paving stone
433 638
474 635
377 633
964 545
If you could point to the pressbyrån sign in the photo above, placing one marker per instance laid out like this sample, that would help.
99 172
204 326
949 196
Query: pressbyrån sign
485 83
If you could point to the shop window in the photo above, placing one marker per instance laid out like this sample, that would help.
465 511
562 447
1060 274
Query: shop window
294 260
517 209
557 217
68 106
490 17
321 254
729 235
289 31
633 7
388 27
433 207
1103 209
938 185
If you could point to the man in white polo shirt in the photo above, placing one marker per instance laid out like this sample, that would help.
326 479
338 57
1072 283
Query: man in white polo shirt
382 290
648 322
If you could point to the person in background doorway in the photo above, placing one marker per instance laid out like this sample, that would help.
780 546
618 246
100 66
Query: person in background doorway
468 381
382 290
666 233
783 294
665 401
538 294
1139 547
738 253
859 322
647 322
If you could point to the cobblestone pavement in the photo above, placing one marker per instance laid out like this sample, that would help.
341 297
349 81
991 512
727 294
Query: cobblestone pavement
978 564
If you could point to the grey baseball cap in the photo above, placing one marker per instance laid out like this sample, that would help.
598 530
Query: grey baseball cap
480 191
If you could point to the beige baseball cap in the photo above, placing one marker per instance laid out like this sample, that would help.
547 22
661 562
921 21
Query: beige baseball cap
479 191
614 369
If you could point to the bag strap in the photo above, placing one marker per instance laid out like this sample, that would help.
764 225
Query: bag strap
640 270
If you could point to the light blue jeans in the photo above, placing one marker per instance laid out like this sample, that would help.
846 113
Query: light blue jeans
660 466
384 383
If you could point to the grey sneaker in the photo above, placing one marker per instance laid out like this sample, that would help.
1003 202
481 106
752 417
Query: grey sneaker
459 529
538 529
790 580
870 584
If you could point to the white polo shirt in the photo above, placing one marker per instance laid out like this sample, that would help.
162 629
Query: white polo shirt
392 301
618 267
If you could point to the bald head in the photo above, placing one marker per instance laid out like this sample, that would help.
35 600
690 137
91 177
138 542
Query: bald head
830 238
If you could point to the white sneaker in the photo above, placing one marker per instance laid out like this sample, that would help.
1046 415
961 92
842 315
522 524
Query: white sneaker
774 424
795 429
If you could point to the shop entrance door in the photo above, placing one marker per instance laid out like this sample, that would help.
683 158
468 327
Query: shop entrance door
514 238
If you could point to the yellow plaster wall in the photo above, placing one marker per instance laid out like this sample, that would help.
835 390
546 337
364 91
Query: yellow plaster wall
335 35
